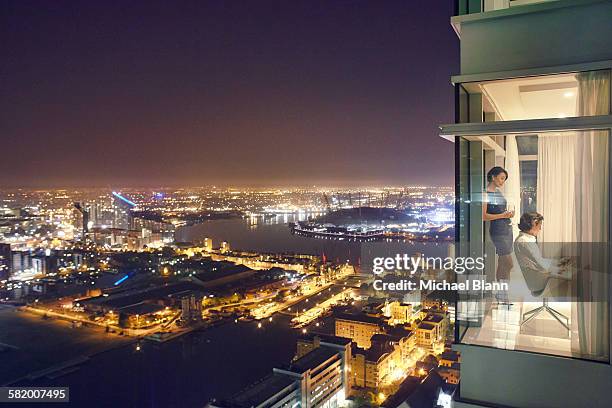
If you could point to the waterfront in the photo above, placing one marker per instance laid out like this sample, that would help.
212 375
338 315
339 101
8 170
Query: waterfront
190 370
187 371
274 236
31 344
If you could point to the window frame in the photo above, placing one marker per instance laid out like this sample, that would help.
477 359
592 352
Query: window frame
478 130
461 129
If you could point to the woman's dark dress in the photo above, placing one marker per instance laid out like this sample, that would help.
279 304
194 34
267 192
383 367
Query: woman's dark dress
500 230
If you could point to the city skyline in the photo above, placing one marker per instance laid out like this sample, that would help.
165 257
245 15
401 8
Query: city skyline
215 94
306 204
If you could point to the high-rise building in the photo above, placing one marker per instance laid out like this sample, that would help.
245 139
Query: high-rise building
533 97
191 308
21 261
319 378
6 261
39 264
122 209
322 376
80 220
94 214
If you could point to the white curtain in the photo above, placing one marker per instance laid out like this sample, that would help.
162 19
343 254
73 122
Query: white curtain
555 188
590 335
572 194
512 191
512 187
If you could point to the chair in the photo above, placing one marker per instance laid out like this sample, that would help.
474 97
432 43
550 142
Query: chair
537 282
545 308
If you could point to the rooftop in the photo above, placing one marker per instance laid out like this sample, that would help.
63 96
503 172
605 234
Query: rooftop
450 355
426 326
141 309
433 318
312 360
326 338
259 392
358 317
136 296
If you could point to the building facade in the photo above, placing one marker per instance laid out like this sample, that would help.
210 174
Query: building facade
533 97
358 328
318 378
6 261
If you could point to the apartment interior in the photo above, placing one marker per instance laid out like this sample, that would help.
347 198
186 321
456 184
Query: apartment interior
562 175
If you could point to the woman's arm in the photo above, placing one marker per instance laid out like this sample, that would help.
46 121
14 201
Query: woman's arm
490 217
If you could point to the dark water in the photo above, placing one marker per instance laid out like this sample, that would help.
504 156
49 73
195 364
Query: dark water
184 372
274 236
187 371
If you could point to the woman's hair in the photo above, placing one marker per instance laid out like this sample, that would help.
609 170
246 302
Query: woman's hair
528 220
496 171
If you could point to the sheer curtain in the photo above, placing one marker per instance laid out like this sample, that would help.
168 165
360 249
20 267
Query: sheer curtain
555 188
591 335
512 191
572 194
512 187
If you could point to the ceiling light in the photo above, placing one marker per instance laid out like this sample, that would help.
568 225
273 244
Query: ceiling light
568 94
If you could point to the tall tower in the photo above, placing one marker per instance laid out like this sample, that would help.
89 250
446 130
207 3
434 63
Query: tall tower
122 209
81 220
533 97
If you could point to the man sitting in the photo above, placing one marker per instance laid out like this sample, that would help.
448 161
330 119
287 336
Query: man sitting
536 269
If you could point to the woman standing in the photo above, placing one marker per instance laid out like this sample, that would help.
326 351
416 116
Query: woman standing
500 228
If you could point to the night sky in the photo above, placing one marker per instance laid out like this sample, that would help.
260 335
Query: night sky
97 93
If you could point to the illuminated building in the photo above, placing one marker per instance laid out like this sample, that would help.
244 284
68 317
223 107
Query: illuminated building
191 308
448 358
6 261
306 344
377 365
122 212
359 328
154 231
81 221
322 375
208 244
400 312
451 374
21 261
274 391
534 76
449 366
44 263
431 331
434 303
225 247
317 379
